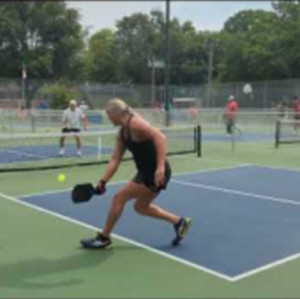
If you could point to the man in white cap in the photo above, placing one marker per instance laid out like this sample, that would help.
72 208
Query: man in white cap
72 118
231 114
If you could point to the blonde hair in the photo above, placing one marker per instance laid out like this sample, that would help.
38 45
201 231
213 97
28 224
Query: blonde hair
118 106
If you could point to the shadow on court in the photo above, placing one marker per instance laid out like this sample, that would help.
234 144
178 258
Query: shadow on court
21 274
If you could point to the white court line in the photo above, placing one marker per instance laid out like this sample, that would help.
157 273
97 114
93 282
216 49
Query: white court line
140 245
266 267
280 200
215 188
228 278
62 190
123 182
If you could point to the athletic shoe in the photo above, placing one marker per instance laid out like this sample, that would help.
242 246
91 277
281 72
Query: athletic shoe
79 153
181 229
99 242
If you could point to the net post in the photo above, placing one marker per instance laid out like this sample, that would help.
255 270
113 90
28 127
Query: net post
277 134
199 141
195 139
233 138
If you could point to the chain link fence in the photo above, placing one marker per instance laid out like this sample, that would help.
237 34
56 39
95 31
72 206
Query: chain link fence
36 93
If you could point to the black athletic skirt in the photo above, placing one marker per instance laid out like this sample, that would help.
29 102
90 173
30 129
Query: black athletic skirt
71 130
148 178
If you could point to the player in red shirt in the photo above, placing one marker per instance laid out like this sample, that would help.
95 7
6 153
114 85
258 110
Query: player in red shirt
231 114
296 108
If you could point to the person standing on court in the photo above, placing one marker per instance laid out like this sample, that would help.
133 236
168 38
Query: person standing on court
148 147
72 119
84 107
296 108
282 108
230 115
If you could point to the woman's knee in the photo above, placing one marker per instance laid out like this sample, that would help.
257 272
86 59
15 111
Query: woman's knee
141 208
120 199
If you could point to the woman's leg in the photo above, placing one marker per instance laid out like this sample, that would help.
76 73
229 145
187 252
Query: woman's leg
62 145
116 208
102 240
144 206
78 143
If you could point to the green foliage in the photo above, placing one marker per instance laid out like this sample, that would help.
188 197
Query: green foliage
140 38
101 57
60 95
248 38
261 45
46 36
136 42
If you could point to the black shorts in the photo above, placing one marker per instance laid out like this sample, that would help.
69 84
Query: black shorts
71 130
148 179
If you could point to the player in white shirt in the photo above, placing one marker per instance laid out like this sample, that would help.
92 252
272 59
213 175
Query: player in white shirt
72 118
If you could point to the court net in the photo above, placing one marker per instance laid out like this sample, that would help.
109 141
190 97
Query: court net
287 131
24 152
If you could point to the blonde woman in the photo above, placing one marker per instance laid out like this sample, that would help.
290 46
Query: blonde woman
148 147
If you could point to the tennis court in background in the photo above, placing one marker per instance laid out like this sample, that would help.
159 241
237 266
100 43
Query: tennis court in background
30 152
41 151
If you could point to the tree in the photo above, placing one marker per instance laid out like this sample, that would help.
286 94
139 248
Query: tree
136 42
249 39
101 57
287 38
46 36
140 38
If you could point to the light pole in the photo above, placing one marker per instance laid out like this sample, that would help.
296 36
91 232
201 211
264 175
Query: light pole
154 64
153 82
210 67
167 63
211 45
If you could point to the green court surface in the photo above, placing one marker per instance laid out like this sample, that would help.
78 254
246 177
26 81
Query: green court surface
41 257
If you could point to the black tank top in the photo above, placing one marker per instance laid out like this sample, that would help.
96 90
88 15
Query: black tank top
144 152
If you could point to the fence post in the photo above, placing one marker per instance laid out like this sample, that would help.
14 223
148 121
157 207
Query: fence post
277 134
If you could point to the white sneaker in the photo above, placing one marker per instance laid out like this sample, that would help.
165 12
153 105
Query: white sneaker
62 151
79 153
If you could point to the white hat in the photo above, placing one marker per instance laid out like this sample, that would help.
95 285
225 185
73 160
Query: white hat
231 97
73 102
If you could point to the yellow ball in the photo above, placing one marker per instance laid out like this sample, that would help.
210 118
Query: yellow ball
61 177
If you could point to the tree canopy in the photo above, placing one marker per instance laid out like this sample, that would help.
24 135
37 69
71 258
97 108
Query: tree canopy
48 38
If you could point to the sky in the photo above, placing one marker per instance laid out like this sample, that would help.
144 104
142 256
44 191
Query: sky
205 15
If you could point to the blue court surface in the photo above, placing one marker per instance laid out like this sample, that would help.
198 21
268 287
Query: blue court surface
43 152
244 218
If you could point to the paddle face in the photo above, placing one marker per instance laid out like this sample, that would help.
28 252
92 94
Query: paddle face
82 192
